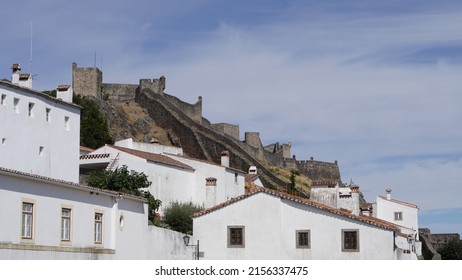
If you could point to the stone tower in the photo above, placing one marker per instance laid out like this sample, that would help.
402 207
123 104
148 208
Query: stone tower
87 81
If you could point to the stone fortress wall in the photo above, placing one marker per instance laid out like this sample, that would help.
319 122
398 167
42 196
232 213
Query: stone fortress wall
88 81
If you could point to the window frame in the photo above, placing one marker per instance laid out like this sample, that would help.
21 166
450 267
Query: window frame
98 228
345 246
398 215
30 109
230 233
66 221
3 99
29 236
297 239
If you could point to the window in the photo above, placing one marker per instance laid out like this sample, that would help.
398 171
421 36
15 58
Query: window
350 240
47 115
210 181
3 141
2 99
303 239
31 109
66 123
16 105
398 216
236 236
65 224
235 177
27 221
98 228
41 148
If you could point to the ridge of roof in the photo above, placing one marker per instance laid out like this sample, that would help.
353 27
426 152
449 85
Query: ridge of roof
13 172
159 158
399 202
208 162
253 190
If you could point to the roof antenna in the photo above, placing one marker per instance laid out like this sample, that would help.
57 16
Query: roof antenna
30 56
94 60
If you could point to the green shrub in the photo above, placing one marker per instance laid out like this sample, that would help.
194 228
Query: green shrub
178 216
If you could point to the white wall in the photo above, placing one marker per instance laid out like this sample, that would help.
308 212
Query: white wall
131 239
22 135
270 226
48 199
226 187
386 211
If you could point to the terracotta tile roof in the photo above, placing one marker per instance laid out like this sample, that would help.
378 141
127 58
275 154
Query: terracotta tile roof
16 173
83 148
249 178
324 182
252 190
63 87
208 162
37 93
158 158
400 202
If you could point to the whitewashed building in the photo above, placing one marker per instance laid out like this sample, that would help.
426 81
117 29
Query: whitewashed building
39 133
266 224
46 218
174 177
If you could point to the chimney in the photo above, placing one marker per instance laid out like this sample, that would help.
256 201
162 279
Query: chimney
355 200
225 158
22 80
64 92
388 190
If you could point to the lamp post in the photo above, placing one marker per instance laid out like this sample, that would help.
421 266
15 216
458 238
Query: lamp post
186 239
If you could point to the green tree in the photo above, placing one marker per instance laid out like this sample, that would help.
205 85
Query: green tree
121 180
291 185
178 216
452 250
94 129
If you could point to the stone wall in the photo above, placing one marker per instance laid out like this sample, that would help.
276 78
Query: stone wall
87 81
119 92
438 240
319 170
231 130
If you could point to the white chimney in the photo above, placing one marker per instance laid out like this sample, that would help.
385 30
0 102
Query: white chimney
388 190
225 158
22 80
355 200
64 92
252 169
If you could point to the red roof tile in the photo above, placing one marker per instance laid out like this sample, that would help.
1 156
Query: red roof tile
400 202
252 190
11 172
158 158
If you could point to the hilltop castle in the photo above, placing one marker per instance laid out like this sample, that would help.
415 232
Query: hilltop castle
201 141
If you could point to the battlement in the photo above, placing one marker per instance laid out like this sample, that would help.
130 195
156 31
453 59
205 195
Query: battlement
156 85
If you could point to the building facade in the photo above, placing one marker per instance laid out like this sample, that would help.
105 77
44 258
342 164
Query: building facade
266 224
40 134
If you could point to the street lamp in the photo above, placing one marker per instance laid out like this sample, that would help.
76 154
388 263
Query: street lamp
186 239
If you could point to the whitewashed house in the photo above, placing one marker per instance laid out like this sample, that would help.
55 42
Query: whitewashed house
171 179
39 133
174 176
403 214
47 218
266 224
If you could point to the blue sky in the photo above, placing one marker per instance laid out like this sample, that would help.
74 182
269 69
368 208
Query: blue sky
375 85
